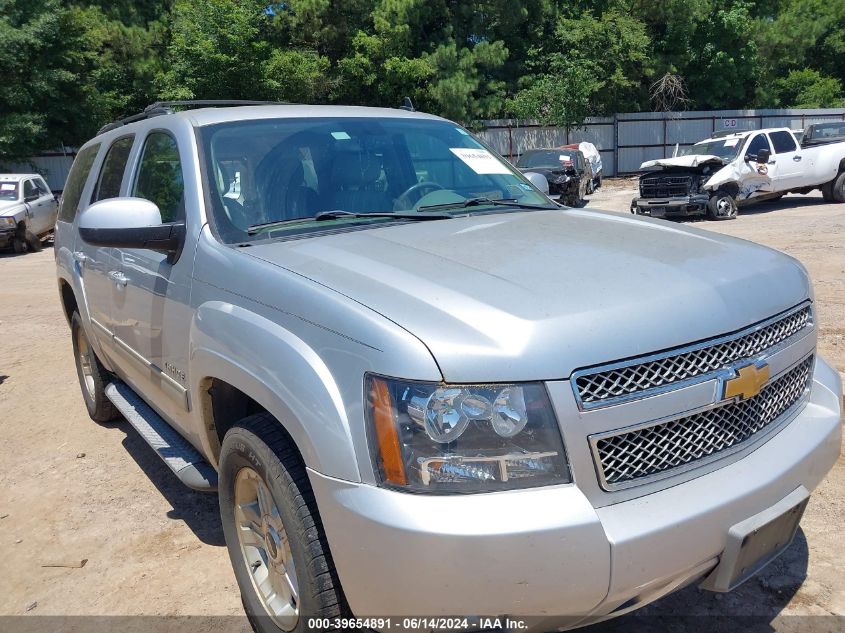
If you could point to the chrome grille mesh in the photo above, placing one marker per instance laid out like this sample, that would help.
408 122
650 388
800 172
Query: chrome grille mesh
606 385
665 186
656 449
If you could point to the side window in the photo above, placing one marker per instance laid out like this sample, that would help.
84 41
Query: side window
76 182
159 178
30 191
42 186
757 143
111 173
783 142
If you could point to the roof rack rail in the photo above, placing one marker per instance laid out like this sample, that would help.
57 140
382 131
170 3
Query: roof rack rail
166 107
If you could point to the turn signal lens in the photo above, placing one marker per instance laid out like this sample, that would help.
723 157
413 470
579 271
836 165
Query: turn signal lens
384 422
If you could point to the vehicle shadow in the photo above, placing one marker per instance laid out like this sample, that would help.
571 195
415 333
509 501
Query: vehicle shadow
200 511
763 208
750 607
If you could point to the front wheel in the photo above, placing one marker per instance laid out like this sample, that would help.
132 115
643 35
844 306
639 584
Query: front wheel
33 241
838 189
721 206
273 531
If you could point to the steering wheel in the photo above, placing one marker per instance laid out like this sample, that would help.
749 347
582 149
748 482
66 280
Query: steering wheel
403 202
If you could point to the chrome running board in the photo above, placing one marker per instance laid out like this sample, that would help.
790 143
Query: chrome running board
182 458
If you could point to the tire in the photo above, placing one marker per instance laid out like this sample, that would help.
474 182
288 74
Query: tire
33 241
838 189
721 206
93 377
262 476
827 191
18 245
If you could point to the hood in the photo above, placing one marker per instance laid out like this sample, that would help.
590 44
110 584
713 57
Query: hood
536 295
693 160
9 206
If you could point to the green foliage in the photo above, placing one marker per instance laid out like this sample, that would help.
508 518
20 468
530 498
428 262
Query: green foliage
71 65
561 99
809 89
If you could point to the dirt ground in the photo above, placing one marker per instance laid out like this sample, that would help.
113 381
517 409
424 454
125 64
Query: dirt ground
72 490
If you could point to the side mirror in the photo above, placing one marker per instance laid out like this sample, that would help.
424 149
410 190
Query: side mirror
131 223
763 156
538 180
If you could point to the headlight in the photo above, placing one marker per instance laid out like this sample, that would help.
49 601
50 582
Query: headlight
7 221
437 438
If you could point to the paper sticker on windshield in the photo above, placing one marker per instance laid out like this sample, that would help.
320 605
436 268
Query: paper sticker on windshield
341 136
480 160
731 142
7 186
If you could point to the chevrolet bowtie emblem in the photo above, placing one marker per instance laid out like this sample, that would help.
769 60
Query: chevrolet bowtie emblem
747 382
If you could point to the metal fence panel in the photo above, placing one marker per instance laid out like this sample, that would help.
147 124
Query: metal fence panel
628 139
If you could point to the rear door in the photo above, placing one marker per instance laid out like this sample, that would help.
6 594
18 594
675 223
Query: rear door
92 263
789 159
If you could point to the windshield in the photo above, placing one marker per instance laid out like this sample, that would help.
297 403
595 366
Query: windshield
546 158
267 172
726 149
8 191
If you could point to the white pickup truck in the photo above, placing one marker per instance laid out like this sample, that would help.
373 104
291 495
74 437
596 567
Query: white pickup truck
728 170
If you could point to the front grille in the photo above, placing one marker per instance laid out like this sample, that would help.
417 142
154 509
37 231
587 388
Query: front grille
662 186
653 450
637 378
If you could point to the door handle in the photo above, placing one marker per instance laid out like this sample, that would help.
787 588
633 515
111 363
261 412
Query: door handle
118 277
80 257
796 158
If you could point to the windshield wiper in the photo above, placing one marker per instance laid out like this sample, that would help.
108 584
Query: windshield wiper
337 214
477 202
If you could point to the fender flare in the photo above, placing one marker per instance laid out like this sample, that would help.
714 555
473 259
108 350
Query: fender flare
303 397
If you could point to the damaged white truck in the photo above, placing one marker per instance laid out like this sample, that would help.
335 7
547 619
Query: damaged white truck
720 174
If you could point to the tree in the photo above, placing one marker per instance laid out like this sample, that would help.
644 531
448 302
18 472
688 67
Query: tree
45 52
561 99
807 88
216 50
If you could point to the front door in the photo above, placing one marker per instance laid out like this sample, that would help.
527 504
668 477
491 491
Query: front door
153 319
40 206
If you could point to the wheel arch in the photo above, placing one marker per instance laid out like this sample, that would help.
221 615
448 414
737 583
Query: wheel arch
68 299
271 370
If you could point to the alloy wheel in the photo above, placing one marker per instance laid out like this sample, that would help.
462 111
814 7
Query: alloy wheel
265 549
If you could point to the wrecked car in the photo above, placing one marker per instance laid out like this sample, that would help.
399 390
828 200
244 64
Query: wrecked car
28 211
720 174
568 172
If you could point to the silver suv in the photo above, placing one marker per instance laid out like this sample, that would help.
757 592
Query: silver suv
419 386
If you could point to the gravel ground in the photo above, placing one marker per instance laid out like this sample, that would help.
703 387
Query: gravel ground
72 490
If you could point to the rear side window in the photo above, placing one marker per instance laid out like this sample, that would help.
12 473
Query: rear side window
159 177
111 174
76 182
757 143
783 142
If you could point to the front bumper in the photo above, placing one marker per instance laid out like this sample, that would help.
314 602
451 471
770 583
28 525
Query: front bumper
550 553
667 207
6 235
